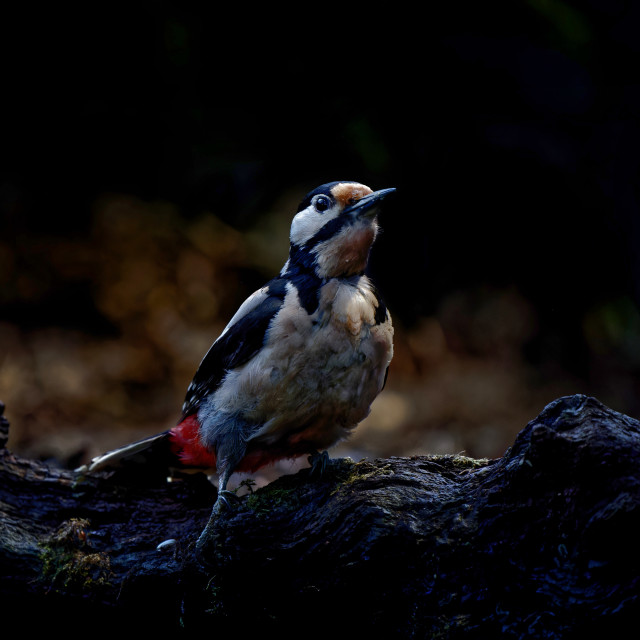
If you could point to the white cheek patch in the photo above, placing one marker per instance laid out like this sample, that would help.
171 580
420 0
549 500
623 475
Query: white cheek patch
308 222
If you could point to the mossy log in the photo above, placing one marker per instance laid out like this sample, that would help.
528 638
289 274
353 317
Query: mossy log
542 542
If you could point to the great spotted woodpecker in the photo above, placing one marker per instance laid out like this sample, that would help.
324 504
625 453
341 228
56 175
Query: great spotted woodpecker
303 358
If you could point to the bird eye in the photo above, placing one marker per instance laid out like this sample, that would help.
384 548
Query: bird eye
322 203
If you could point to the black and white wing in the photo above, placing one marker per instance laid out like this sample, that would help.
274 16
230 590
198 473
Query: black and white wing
241 339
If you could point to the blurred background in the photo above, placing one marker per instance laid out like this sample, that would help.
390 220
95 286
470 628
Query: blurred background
153 154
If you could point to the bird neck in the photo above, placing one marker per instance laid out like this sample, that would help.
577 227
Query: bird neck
309 268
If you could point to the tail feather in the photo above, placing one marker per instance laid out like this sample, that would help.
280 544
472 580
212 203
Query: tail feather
156 444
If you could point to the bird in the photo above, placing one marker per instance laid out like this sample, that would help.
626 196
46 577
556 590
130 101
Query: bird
299 364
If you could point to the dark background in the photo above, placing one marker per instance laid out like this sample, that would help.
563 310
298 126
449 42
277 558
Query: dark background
153 155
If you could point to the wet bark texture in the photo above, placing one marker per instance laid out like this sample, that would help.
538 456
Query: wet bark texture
540 543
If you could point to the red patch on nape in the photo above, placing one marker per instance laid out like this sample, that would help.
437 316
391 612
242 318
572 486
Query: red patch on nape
186 444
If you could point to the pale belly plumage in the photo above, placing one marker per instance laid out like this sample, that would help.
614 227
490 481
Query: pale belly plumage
314 380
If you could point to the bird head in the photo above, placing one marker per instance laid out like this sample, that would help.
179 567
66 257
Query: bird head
334 229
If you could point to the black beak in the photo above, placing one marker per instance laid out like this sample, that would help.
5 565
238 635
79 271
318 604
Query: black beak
368 206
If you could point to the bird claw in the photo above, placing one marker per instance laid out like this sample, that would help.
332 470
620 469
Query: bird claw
226 498
319 463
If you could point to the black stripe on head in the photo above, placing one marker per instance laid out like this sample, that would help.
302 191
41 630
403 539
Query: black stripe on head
324 189
302 258
300 261
327 231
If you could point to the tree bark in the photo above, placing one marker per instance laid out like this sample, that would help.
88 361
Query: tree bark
539 543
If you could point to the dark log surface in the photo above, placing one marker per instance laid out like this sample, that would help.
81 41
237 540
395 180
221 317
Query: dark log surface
540 543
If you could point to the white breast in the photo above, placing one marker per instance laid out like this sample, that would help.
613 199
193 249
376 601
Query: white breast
318 373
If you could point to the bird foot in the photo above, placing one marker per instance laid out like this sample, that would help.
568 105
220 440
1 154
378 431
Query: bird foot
319 463
228 499
225 502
